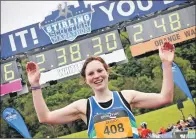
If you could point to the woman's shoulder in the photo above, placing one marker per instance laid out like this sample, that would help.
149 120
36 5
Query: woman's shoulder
81 101
128 95
81 105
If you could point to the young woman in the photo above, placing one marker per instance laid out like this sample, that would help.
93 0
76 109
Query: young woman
108 113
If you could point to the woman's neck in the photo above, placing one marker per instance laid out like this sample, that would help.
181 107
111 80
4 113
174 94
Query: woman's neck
103 96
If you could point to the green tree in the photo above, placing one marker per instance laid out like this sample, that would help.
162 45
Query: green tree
187 52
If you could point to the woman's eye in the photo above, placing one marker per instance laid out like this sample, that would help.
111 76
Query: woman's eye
99 70
91 73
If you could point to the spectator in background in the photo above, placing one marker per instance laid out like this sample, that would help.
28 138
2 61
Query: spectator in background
139 131
193 118
178 125
191 122
162 130
169 128
175 128
184 125
145 132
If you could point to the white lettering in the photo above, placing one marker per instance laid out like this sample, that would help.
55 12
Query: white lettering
12 43
141 7
108 11
183 136
168 1
86 17
22 37
80 19
34 35
54 26
64 24
131 9
75 22
59 24
11 117
48 28
70 23
69 70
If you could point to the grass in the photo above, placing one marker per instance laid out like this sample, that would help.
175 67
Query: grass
82 134
165 116
155 119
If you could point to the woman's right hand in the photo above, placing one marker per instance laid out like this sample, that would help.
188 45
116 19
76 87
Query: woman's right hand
33 73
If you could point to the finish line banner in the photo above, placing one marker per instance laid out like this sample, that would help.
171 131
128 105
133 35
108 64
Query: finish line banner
68 22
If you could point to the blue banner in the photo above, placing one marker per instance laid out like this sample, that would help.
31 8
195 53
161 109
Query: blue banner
68 22
14 119
180 81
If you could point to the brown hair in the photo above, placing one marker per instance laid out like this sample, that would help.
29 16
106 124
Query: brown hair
90 59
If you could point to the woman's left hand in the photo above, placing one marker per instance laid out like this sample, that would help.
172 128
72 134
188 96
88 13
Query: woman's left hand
166 52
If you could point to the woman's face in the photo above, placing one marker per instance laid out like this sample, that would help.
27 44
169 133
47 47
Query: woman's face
96 76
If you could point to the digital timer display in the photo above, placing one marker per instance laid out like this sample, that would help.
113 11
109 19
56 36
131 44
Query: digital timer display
77 51
161 25
9 71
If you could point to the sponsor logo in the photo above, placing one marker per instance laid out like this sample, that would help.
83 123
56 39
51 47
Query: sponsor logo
10 116
110 115
67 23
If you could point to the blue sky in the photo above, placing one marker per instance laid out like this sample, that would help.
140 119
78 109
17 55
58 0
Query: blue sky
18 14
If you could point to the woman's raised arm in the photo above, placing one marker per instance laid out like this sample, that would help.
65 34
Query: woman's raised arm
153 100
73 111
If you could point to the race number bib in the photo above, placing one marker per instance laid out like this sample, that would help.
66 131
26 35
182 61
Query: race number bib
113 125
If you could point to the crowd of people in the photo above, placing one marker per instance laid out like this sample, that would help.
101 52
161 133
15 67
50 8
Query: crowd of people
181 125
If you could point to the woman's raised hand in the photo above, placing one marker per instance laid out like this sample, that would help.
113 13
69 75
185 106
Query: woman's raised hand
166 52
33 73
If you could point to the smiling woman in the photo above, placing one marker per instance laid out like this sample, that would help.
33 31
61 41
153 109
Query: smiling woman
107 113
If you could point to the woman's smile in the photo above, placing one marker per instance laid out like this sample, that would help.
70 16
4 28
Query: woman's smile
98 82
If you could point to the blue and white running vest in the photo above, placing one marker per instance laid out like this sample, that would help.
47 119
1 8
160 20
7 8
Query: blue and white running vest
116 121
